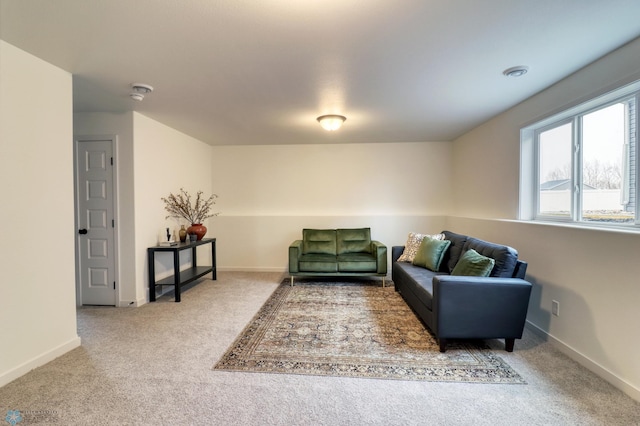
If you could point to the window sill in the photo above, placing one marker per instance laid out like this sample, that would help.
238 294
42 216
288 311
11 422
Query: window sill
622 229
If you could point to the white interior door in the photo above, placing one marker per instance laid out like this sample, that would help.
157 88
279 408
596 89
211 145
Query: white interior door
96 221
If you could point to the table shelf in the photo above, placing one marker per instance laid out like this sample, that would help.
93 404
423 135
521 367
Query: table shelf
180 277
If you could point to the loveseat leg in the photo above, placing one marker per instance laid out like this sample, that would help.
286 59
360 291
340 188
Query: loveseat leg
508 344
443 344
383 282
292 281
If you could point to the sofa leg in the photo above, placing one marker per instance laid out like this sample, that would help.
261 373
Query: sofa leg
443 344
383 282
291 281
508 344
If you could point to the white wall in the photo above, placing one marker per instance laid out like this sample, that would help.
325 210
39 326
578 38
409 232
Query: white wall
37 306
592 273
120 125
152 161
165 160
269 193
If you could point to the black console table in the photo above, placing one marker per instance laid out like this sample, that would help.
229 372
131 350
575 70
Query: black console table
179 277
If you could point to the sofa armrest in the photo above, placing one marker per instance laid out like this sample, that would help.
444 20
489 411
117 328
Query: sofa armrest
379 250
295 251
396 252
520 270
479 307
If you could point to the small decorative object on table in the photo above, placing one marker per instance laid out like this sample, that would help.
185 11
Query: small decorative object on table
183 234
179 206
170 241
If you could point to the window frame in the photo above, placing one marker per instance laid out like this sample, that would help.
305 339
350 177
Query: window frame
536 134
530 160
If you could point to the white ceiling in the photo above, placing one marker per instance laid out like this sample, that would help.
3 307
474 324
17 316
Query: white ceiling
260 71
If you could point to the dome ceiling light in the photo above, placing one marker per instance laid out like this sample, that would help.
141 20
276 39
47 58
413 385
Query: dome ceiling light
331 122
518 71
139 90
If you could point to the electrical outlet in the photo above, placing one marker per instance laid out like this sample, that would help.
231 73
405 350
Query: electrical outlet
555 308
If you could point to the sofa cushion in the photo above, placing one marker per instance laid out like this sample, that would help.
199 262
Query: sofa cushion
417 279
455 250
430 253
319 241
505 257
318 263
353 240
356 262
413 244
473 264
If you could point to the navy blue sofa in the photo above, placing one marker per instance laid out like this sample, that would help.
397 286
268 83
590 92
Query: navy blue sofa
465 307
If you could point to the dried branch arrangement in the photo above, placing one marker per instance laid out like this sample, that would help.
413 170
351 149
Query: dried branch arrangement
180 206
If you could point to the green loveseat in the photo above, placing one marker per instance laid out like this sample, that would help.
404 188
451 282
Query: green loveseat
337 252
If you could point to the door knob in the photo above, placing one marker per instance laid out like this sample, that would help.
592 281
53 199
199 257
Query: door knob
82 231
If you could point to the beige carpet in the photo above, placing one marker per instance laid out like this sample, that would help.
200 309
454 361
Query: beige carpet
151 366
354 329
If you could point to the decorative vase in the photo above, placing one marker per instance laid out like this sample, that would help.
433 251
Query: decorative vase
183 234
197 229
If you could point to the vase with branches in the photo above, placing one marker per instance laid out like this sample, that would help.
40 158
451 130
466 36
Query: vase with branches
181 206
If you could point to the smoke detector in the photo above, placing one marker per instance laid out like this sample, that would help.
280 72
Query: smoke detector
139 90
518 71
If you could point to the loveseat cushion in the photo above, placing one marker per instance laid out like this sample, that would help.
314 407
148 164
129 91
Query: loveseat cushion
319 241
506 257
357 240
356 262
317 263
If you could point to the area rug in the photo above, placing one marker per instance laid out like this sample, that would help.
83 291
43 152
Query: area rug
354 329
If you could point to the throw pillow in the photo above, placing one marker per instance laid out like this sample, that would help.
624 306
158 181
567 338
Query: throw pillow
431 253
473 264
413 244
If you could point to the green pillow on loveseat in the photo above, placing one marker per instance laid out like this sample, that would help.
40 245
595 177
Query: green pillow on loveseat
336 252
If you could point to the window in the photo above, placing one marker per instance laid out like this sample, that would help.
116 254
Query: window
580 165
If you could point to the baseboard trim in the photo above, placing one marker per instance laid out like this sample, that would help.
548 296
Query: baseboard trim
587 362
131 304
38 361
252 269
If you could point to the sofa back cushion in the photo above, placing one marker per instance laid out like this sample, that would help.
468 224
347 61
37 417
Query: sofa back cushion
455 251
353 240
319 241
506 257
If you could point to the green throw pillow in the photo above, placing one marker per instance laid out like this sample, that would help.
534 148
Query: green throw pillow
430 253
473 264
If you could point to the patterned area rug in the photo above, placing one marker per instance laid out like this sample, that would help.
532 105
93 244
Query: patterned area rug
357 329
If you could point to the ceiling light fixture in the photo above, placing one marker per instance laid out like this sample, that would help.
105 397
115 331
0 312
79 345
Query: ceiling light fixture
331 122
139 90
518 71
